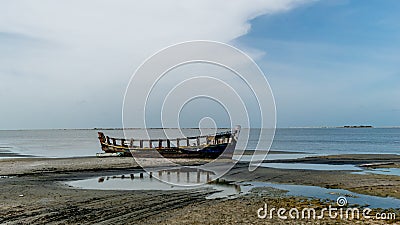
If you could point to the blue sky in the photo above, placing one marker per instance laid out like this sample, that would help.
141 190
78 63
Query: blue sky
329 63
332 62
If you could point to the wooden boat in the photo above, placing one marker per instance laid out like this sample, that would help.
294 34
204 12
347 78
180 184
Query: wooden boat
208 146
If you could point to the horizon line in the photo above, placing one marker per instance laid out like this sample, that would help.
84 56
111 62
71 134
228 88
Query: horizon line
137 128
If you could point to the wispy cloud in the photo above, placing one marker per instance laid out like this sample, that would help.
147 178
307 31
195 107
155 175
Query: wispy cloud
85 51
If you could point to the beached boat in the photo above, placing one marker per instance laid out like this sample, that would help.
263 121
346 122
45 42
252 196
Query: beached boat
208 146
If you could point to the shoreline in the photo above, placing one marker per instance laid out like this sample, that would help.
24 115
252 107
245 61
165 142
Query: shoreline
6 154
343 159
34 191
32 166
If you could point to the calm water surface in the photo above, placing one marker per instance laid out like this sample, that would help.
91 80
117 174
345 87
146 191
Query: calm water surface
321 141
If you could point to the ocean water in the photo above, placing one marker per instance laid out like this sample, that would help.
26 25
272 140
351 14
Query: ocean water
307 141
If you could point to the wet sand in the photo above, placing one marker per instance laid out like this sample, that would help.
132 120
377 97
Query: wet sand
356 159
36 193
243 210
27 166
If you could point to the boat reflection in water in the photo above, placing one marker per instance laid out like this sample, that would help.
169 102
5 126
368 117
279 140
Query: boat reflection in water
177 179
185 176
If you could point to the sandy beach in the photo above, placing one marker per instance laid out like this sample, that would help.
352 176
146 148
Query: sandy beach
34 191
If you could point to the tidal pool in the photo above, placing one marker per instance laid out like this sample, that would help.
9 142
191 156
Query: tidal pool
229 190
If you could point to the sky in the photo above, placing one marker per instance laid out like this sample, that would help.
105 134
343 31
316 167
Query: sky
66 64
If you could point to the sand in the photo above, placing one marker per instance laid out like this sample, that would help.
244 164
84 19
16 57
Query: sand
34 192
26 166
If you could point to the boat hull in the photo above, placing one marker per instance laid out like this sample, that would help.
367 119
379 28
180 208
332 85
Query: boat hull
222 144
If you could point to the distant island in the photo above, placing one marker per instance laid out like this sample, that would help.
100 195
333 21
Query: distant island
358 126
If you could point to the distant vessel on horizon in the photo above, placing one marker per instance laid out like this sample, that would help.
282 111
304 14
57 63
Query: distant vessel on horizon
357 126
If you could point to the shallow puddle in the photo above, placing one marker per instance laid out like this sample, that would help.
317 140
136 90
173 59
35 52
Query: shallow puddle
382 171
127 182
258 157
226 190
309 166
333 194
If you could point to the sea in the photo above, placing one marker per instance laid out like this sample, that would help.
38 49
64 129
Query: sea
60 143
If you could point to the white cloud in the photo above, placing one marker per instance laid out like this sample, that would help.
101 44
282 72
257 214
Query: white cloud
72 59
